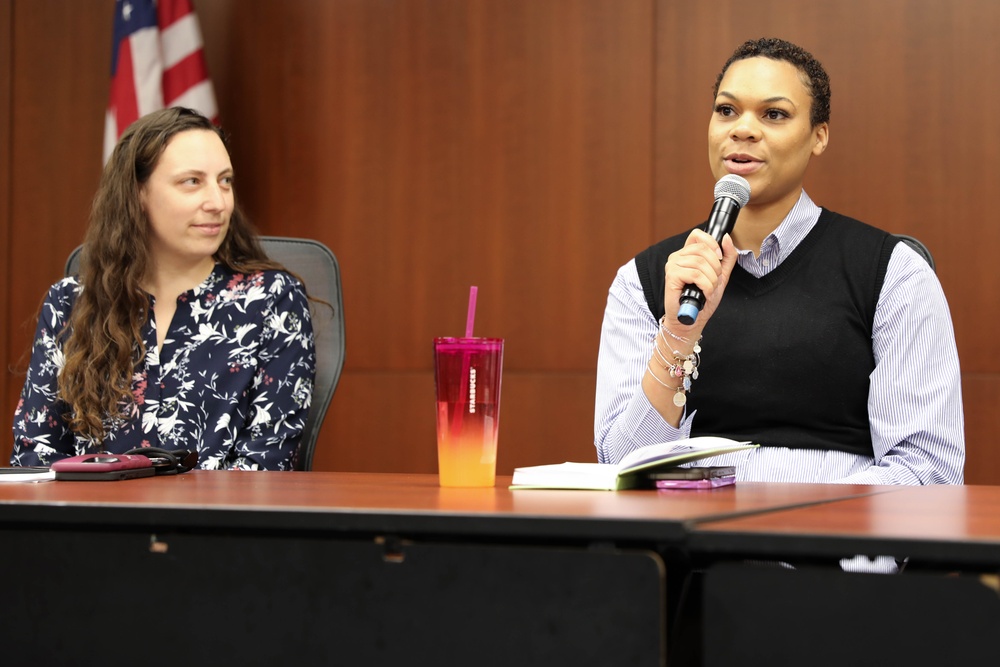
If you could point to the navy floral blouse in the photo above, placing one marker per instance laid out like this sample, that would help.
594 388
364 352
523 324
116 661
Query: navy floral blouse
233 380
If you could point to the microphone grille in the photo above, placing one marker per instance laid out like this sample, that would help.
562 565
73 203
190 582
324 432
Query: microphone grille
735 187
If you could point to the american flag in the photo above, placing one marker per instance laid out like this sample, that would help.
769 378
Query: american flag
157 61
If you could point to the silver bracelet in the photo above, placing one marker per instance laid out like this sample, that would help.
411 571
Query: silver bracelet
680 393
663 328
686 369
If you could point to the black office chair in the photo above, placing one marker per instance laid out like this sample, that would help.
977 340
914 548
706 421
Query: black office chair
917 245
318 267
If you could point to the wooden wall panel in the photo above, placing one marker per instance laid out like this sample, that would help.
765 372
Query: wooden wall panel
59 76
6 13
981 395
393 433
529 147
436 145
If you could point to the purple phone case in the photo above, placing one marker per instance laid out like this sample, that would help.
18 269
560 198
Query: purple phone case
711 483
102 463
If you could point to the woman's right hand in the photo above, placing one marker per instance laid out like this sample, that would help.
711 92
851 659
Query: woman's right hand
702 262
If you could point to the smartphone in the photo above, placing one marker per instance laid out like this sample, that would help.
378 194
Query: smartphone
707 477
103 467
711 483
704 472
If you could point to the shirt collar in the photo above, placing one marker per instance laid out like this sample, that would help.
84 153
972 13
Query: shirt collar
795 227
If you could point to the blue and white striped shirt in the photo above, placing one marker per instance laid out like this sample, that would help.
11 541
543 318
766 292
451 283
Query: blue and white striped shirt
914 400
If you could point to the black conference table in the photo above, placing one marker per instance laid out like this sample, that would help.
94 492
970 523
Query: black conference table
341 568
943 609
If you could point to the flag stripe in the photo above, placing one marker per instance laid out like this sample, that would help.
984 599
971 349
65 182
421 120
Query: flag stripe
200 97
122 90
181 40
185 74
147 71
170 11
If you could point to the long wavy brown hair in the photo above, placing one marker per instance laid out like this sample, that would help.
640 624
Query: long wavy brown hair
103 345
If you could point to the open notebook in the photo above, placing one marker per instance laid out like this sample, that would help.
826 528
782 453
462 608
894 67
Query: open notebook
630 472
25 474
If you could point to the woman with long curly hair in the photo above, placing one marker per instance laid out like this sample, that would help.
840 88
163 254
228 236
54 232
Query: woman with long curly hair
179 332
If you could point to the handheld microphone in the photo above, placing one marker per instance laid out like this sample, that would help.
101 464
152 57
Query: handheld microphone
732 193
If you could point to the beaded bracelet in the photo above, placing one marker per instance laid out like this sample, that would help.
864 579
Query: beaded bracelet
663 328
685 369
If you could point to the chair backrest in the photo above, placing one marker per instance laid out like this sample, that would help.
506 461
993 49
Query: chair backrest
317 266
917 245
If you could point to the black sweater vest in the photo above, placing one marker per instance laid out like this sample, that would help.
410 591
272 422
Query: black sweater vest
786 358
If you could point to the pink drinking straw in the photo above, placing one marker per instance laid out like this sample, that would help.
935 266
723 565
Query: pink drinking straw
472 311
456 423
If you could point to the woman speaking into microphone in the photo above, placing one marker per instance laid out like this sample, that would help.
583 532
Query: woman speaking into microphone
825 340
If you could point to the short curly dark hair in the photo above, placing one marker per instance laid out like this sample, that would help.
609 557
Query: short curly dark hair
779 49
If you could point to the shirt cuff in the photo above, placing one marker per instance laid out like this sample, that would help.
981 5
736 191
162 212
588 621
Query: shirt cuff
647 427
